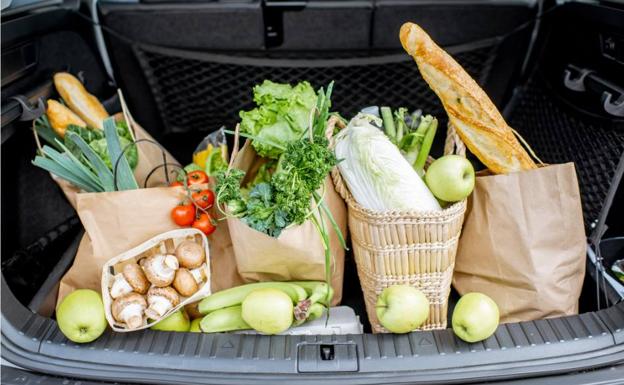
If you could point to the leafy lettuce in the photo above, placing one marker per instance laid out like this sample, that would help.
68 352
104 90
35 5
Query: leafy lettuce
282 115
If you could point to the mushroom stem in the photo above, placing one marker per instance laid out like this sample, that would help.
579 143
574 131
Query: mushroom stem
132 315
158 306
120 286
171 262
199 274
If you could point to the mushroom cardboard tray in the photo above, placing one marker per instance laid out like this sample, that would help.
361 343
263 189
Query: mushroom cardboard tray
163 244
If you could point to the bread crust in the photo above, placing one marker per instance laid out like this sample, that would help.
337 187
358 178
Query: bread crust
476 119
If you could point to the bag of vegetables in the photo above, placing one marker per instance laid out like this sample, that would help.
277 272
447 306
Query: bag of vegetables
285 219
80 118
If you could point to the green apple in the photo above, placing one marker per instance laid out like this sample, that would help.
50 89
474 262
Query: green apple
475 317
195 326
402 308
81 317
176 322
450 178
268 310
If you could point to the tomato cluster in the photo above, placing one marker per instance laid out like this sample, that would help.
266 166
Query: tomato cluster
193 211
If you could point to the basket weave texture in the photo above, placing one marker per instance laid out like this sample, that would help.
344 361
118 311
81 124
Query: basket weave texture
413 248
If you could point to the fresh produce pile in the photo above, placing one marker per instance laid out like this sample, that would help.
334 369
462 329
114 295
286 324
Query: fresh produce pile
381 154
84 145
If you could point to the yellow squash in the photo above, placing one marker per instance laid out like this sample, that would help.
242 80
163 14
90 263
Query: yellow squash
87 106
60 117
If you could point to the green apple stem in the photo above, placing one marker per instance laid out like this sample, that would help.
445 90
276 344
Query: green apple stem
425 148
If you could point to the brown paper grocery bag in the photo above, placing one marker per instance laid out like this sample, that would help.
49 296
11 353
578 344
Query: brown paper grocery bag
118 221
297 254
524 244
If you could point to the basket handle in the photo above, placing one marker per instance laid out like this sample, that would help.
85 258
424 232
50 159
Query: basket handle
339 185
453 143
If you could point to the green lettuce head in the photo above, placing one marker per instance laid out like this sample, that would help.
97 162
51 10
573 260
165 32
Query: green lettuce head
282 116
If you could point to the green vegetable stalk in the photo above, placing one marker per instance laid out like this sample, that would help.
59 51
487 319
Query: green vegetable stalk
425 148
388 123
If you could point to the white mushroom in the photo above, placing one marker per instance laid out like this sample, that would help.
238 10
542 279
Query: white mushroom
190 254
120 286
161 300
160 269
130 279
129 309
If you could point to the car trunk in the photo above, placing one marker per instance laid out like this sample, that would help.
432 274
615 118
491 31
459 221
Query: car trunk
187 68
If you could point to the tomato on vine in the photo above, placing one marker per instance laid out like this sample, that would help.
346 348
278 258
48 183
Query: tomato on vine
204 198
197 177
183 215
203 222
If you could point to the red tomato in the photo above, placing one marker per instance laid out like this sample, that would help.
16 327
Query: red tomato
204 198
183 215
196 177
204 224
176 184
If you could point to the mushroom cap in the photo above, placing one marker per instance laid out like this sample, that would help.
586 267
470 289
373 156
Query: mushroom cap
120 303
157 271
190 254
136 278
185 283
192 310
167 292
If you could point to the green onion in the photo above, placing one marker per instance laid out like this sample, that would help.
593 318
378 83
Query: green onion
322 204
425 148
103 172
388 123
69 175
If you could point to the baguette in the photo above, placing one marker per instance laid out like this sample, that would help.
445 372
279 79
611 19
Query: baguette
60 117
79 100
471 112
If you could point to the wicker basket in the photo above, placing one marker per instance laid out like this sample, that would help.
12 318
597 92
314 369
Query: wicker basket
406 247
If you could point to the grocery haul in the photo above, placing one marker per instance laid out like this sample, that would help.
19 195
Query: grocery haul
253 236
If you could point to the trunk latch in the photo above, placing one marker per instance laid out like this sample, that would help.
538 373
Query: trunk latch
327 357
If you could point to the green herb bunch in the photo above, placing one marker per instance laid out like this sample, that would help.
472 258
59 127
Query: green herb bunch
286 198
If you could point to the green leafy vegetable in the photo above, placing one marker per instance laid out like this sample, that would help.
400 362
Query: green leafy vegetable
103 171
125 179
282 116
275 201
83 167
413 135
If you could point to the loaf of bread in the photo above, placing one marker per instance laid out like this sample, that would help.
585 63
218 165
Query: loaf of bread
475 118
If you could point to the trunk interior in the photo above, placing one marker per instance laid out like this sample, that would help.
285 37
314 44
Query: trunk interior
187 68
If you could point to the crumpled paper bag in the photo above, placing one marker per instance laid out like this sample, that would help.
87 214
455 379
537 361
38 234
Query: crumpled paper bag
524 243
